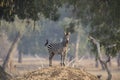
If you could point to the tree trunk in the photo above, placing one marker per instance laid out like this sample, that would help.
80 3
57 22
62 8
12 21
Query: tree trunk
105 67
20 57
104 63
108 72
77 46
118 60
4 75
34 26
99 53
102 66
96 62
7 64
110 63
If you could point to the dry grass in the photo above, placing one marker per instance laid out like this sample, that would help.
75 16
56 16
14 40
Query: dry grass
31 64
58 73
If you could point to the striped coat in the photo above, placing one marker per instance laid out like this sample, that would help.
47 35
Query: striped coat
58 48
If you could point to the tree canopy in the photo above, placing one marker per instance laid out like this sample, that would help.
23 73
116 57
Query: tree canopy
103 19
32 9
100 18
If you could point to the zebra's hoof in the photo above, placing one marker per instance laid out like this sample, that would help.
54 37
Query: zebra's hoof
50 65
63 64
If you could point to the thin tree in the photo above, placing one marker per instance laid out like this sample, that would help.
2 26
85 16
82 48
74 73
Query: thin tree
103 62
8 62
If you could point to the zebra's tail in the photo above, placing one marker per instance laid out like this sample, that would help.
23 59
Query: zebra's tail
46 42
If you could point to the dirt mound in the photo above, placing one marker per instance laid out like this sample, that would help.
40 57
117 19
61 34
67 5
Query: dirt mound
4 75
58 73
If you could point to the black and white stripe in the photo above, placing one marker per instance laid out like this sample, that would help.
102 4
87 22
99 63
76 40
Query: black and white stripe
58 48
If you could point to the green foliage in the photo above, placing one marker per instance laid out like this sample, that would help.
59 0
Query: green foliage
71 28
29 9
103 17
105 24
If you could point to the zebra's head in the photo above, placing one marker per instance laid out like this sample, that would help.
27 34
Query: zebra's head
66 38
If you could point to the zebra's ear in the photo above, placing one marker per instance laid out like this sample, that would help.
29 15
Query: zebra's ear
65 33
68 33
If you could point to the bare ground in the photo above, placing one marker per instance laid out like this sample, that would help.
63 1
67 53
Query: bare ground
29 66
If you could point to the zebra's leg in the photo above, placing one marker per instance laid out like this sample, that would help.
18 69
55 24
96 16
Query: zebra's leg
61 60
50 58
64 56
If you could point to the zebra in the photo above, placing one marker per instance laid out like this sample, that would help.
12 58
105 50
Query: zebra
58 48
